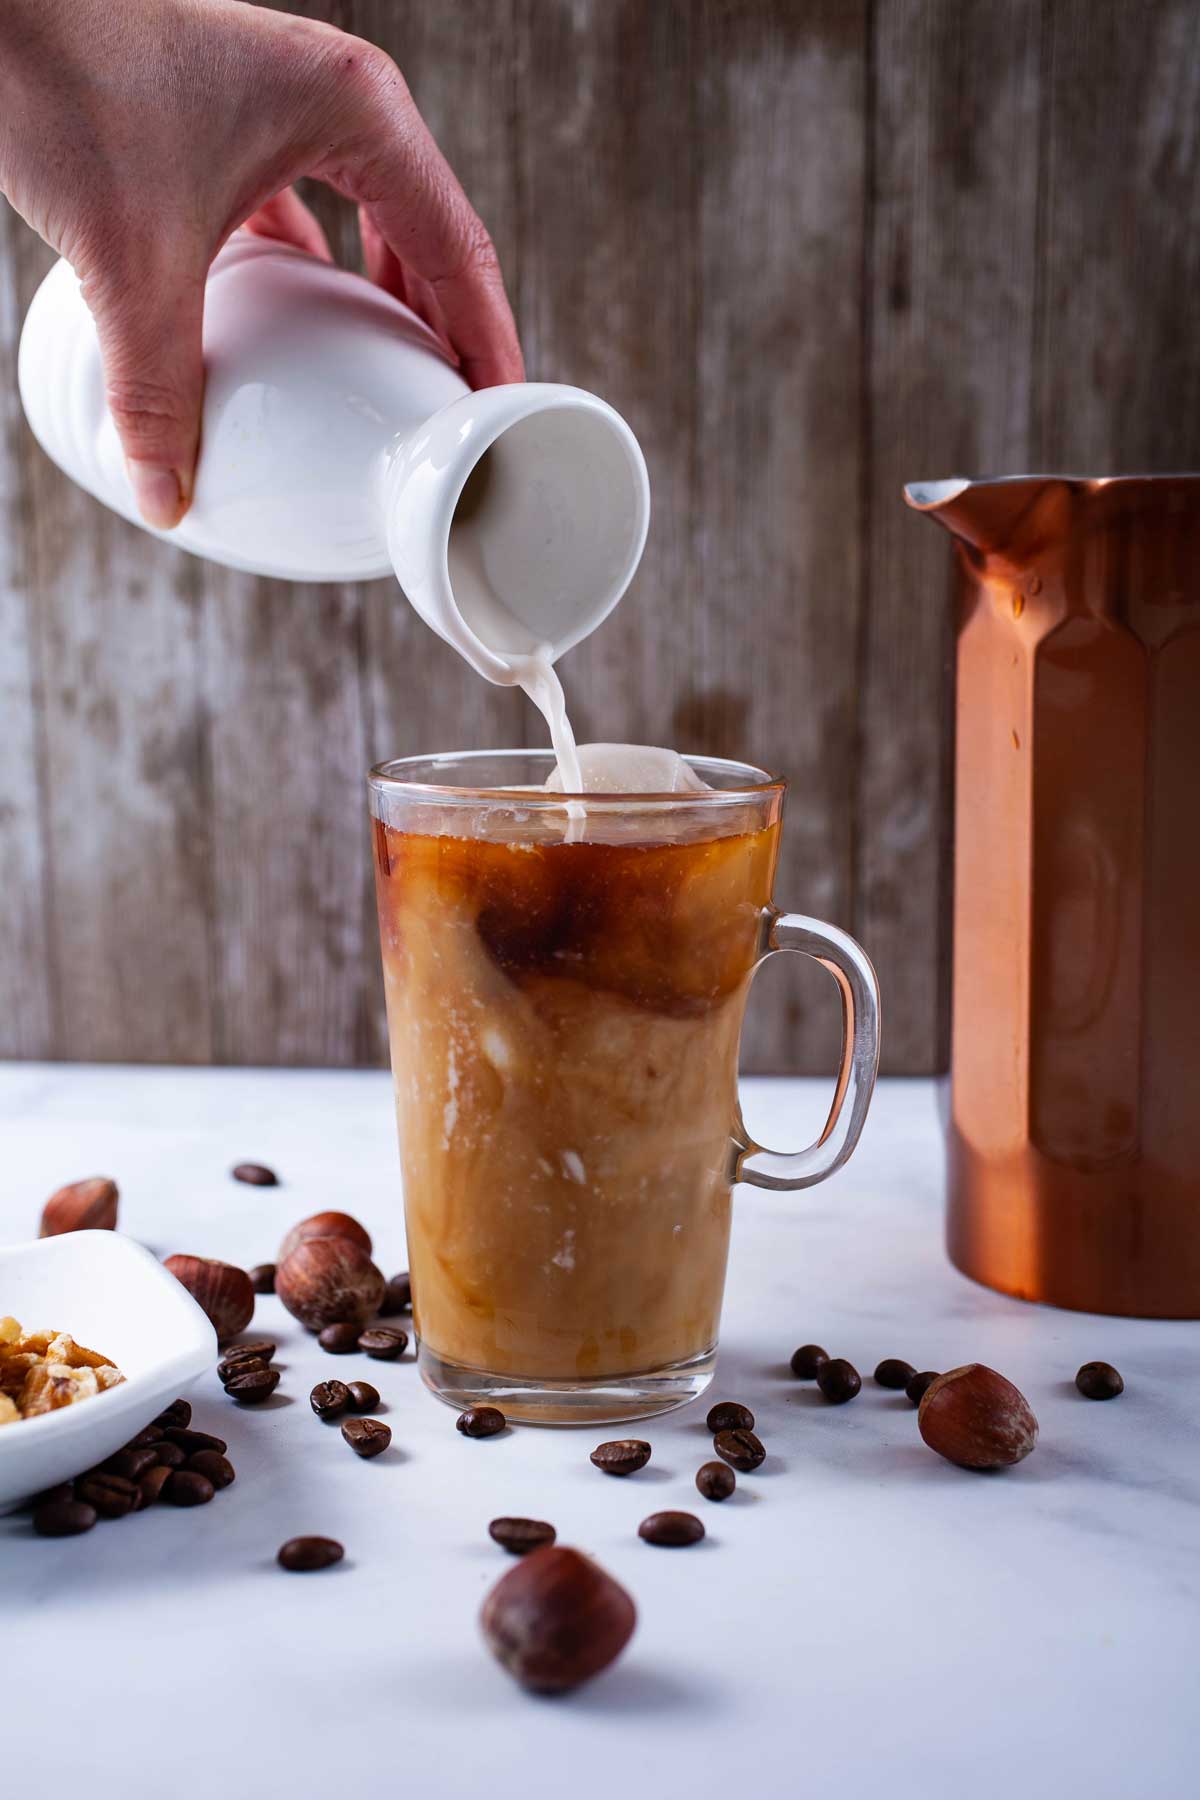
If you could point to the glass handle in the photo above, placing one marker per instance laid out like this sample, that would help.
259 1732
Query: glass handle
850 967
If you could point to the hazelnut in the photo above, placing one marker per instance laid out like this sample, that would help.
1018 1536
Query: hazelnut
329 1281
225 1293
977 1419
556 1620
325 1225
89 1205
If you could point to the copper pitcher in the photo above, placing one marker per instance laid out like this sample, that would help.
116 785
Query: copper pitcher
1074 1129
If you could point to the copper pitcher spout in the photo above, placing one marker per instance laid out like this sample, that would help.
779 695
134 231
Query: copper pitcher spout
1074 1135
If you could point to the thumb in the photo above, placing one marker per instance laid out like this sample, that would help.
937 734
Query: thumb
154 383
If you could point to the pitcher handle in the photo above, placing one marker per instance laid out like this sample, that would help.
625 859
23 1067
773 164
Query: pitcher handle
850 967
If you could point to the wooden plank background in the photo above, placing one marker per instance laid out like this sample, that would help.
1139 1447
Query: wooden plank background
811 249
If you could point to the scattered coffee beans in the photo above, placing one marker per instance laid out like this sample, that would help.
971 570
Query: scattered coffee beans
169 1456
155 1479
132 1463
622 1456
329 1399
149 1434
187 1487
191 1441
367 1437
915 1388
63 1518
253 1387
727 1415
741 1449
303 1554
673 1530
481 1421
256 1350
807 1360
262 1278
397 1296
112 1495
179 1413
383 1343
256 1175
838 1380
892 1373
520 1536
339 1340
213 1466
1099 1381
238 1365
363 1397
715 1480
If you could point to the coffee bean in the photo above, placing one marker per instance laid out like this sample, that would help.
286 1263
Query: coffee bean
715 1481
916 1387
151 1484
397 1296
520 1536
169 1456
262 1278
838 1380
255 1175
179 1413
63 1518
329 1399
303 1554
383 1343
363 1397
62 1490
673 1530
339 1340
892 1373
1099 1381
621 1456
112 1495
740 1448
187 1487
149 1434
254 1350
367 1437
191 1441
481 1421
727 1415
213 1466
807 1360
132 1463
252 1388
238 1365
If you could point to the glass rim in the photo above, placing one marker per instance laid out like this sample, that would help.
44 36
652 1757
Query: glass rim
390 778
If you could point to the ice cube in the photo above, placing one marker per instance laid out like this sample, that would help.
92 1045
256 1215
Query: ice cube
632 769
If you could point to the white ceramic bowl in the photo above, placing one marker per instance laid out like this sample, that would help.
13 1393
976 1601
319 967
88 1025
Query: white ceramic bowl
113 1296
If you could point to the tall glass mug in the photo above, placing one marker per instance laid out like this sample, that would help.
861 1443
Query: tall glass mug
565 991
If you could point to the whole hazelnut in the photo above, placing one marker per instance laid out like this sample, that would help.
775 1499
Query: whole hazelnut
325 1225
977 1419
224 1292
329 1281
557 1619
89 1205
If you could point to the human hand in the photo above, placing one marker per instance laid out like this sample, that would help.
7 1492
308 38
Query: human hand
135 138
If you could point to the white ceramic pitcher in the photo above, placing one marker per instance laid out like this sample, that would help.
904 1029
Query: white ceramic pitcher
340 443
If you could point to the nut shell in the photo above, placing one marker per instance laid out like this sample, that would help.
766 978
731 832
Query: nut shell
556 1620
325 1225
976 1418
224 1292
89 1205
329 1281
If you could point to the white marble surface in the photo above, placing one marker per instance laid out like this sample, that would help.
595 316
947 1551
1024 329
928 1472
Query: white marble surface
862 1620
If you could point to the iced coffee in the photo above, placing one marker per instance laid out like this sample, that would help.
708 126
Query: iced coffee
565 1000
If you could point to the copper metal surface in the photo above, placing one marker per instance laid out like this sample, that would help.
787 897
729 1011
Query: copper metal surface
1074 1130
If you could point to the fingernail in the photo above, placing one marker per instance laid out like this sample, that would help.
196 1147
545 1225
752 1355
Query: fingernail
159 494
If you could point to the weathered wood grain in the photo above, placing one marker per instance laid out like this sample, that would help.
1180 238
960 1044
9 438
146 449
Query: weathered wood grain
26 972
949 343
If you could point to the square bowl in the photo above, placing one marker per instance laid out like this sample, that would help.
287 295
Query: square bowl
114 1296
